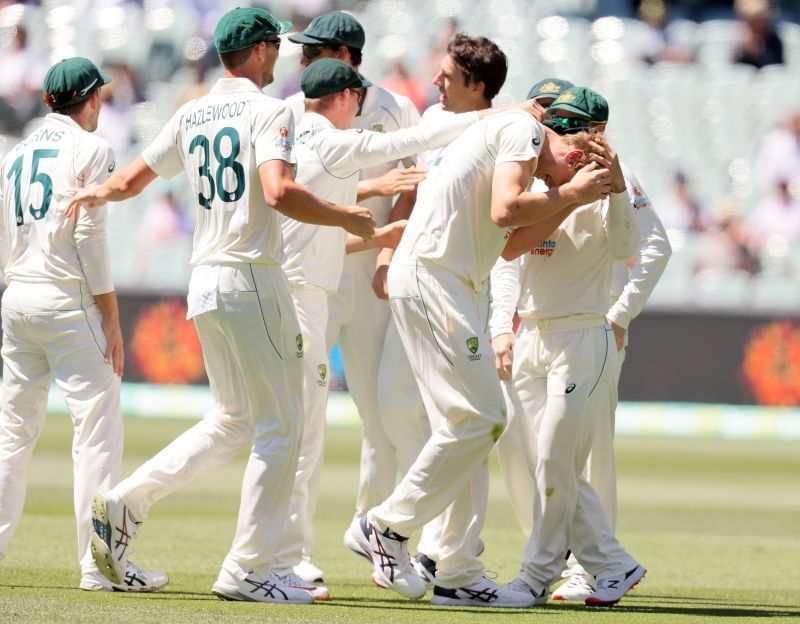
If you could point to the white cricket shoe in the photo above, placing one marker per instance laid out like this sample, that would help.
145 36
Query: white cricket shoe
136 580
318 592
113 528
309 572
483 593
253 588
425 568
388 552
580 584
520 585
610 590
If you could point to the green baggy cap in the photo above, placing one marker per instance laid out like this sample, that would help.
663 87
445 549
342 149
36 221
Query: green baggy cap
548 88
244 27
332 28
582 101
330 75
71 81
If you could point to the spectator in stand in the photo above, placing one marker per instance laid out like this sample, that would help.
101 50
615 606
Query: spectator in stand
164 221
724 246
680 210
778 156
777 215
400 81
21 80
759 43
662 41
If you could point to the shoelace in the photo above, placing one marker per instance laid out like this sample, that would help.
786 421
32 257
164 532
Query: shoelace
293 580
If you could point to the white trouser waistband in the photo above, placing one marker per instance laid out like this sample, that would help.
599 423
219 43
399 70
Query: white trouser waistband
562 323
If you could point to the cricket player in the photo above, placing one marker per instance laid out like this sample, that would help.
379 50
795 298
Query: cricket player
453 239
236 145
60 316
547 90
358 319
471 73
631 287
329 157
563 358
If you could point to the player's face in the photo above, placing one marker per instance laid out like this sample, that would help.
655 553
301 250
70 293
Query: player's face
270 57
454 94
557 161
313 53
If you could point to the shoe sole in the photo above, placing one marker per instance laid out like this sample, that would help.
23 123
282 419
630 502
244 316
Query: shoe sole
458 602
235 596
593 602
101 552
351 543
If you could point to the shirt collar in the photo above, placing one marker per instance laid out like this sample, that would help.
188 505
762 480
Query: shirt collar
235 85
65 119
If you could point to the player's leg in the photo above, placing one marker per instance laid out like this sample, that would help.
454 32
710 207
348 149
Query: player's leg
297 540
579 362
361 343
601 467
26 381
91 390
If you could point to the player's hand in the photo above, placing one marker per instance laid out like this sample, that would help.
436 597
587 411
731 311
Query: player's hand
393 182
390 234
115 354
358 221
590 183
503 345
619 335
533 107
88 196
607 158
379 282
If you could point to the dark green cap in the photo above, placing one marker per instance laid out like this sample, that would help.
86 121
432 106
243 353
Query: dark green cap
548 88
71 81
330 75
242 28
582 101
332 28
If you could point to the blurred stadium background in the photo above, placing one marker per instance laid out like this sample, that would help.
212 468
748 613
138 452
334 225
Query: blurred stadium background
712 130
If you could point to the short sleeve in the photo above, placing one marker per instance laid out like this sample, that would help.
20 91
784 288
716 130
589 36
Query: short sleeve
273 133
163 155
514 137
99 164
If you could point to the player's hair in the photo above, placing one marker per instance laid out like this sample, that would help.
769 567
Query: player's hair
320 103
232 60
481 60
583 141
73 109
355 56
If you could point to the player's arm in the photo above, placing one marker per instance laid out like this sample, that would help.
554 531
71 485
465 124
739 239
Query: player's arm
115 354
505 288
127 182
651 260
391 183
400 211
298 203
387 236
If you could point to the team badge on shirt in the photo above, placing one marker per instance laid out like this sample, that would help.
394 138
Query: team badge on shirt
472 345
322 369
377 127
282 140
640 200
298 341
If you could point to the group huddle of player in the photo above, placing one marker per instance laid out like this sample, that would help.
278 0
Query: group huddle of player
298 245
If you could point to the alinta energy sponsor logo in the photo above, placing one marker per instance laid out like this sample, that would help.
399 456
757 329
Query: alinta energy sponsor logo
545 248
640 200
770 367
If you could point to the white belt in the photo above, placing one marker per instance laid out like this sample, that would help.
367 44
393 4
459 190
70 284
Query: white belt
562 323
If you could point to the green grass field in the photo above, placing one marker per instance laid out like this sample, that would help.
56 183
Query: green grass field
716 523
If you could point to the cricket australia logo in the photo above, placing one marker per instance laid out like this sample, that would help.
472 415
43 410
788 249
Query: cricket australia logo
472 345
377 127
322 369
298 340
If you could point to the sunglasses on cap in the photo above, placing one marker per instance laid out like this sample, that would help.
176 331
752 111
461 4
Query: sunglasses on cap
566 125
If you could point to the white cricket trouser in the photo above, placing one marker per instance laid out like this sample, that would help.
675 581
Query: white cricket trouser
250 348
601 467
358 320
559 364
68 346
297 540
442 324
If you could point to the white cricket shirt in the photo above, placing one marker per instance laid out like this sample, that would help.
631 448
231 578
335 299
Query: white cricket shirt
451 223
328 163
38 178
382 111
220 139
